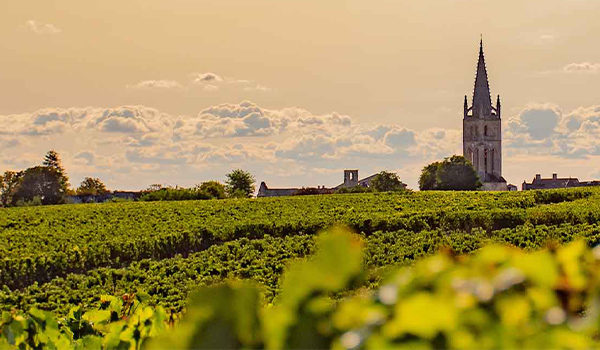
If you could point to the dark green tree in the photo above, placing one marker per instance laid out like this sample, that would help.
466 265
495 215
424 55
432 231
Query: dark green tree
455 173
214 189
428 178
240 183
41 182
91 187
9 182
386 181
52 160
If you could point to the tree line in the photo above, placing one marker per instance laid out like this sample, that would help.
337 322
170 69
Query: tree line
48 184
44 184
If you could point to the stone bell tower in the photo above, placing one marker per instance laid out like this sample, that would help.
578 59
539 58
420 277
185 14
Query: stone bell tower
482 131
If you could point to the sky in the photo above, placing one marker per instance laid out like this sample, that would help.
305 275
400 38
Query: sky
178 92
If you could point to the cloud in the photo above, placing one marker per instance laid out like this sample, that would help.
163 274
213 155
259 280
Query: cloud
232 110
156 84
209 82
539 121
128 119
213 82
582 68
547 38
87 156
133 146
138 145
545 129
53 121
9 142
308 147
156 158
257 87
41 28
207 78
210 87
399 138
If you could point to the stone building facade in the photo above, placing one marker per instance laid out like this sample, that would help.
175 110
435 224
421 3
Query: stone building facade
540 183
482 131
351 180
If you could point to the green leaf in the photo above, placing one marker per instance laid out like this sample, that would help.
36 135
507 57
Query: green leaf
142 297
220 317
97 316
422 314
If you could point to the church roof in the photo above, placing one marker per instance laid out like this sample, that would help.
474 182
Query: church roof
482 102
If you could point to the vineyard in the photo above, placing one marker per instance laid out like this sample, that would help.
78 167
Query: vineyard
500 297
58 257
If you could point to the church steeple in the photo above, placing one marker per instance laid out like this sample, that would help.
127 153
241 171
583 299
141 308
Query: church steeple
482 131
482 102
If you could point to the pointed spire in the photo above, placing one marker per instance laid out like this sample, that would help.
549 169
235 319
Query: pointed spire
482 102
466 107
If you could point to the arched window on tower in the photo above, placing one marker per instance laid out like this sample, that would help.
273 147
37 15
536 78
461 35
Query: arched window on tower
492 161
476 156
485 131
471 156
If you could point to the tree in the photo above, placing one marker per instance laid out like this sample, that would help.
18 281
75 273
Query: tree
43 182
240 183
9 183
213 188
386 181
52 160
428 178
455 173
91 187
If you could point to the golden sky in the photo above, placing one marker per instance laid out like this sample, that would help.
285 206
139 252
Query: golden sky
401 64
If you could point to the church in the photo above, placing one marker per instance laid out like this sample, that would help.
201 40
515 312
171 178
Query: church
482 131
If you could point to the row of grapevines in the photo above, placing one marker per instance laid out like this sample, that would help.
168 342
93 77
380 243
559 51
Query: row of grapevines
170 281
116 235
500 297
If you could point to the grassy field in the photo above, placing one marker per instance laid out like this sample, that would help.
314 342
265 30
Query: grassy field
59 256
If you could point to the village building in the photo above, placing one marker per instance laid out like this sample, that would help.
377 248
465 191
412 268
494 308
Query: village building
482 131
350 180
540 183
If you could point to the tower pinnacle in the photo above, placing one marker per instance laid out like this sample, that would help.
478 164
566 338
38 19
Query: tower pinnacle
482 102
